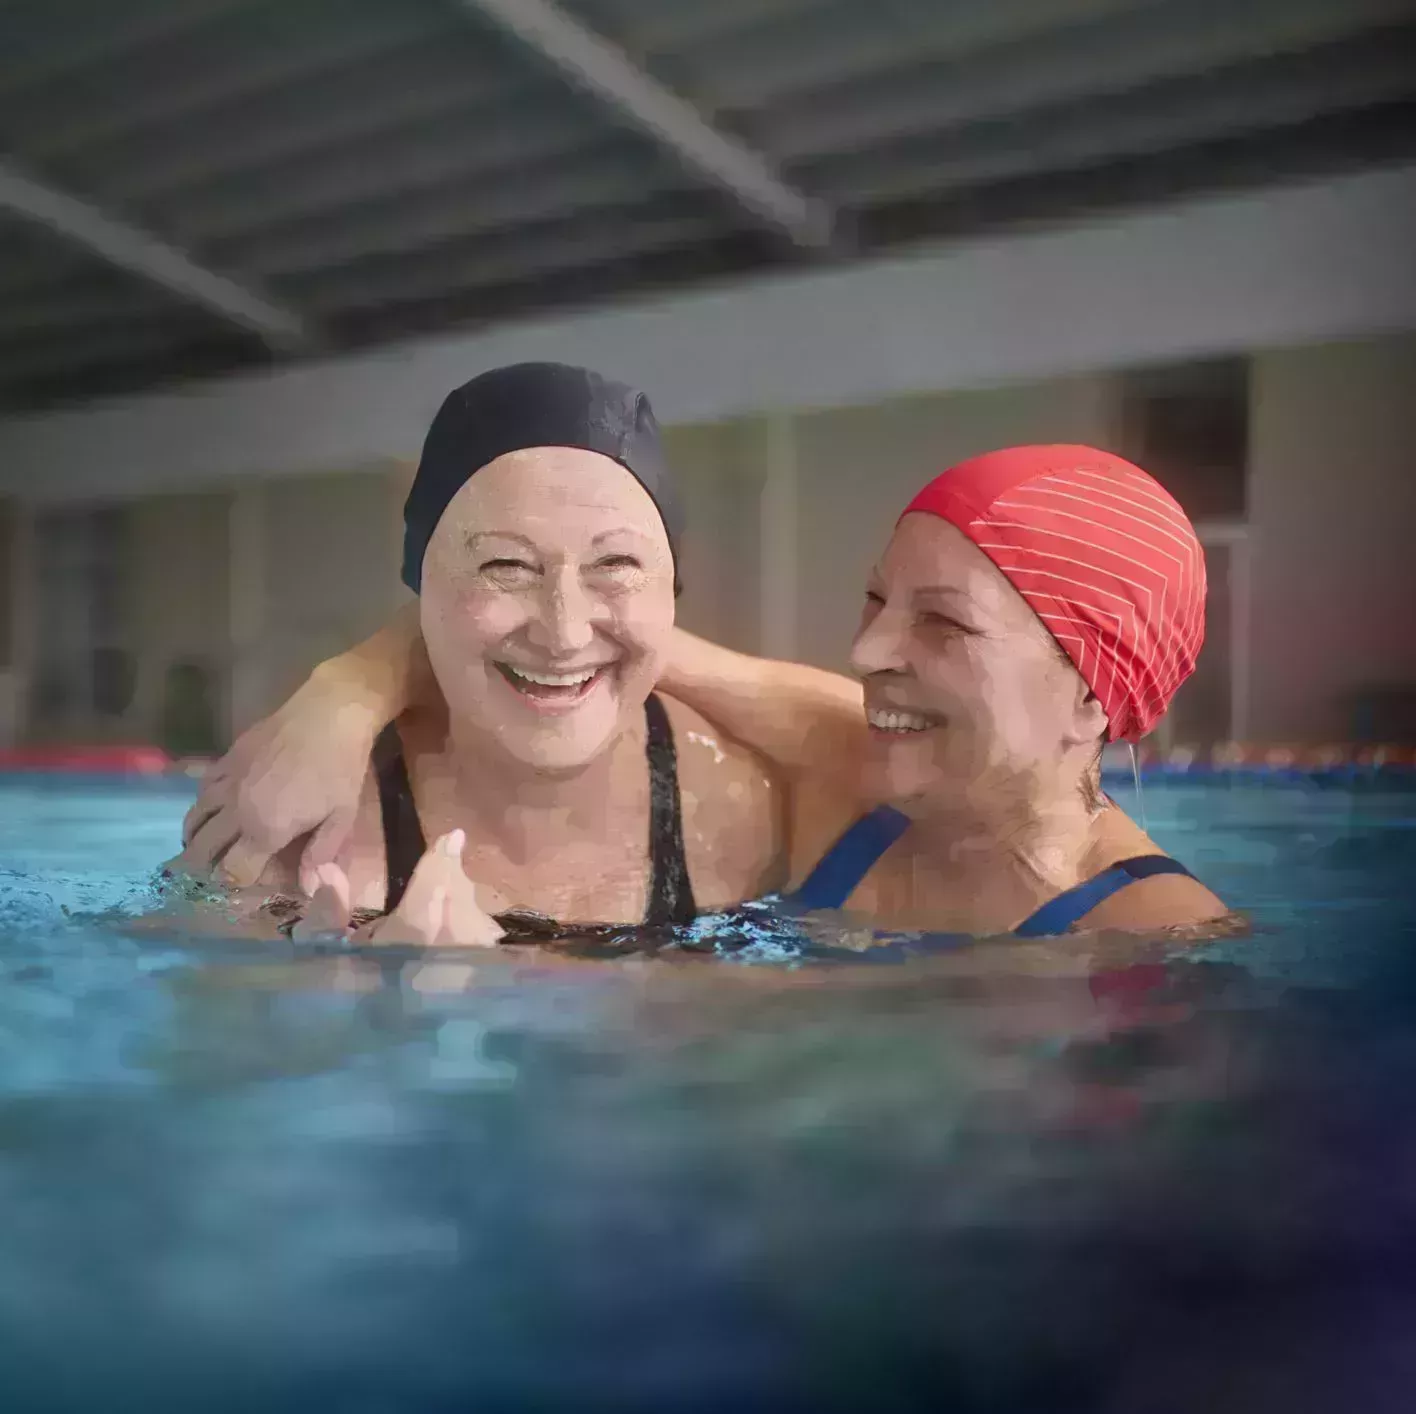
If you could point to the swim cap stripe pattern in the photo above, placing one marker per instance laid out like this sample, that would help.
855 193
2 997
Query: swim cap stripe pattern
1102 554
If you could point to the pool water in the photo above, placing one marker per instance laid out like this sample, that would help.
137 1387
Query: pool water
238 1177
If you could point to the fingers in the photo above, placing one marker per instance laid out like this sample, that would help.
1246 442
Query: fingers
327 841
244 862
211 800
329 908
434 871
418 922
440 904
209 845
451 845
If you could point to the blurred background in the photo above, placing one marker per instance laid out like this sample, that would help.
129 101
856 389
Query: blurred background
247 246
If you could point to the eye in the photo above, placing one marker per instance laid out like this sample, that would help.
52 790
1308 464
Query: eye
618 562
933 619
508 571
871 597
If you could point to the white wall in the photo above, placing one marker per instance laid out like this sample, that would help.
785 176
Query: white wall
788 508
13 620
1333 509
176 584
860 467
329 569
719 470
1293 265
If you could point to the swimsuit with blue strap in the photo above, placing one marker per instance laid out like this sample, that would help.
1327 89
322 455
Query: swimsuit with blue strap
852 857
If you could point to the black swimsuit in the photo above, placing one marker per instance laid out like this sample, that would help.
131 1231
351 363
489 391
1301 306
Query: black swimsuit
670 890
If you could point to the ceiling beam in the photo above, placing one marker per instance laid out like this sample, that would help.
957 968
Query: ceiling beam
429 219
144 255
1156 43
593 64
1236 101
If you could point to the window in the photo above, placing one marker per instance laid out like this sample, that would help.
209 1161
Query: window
1188 425
83 671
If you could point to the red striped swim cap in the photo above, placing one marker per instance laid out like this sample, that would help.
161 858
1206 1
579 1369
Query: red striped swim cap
1103 555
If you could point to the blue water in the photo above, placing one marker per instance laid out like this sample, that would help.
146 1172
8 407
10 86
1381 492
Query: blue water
237 1178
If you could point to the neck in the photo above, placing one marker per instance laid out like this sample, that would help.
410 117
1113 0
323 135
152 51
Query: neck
1015 842
523 810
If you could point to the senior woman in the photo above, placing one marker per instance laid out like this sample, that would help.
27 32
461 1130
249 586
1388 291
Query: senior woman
540 538
1031 605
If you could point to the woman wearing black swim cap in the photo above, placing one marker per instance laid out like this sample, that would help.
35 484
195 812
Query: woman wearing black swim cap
541 537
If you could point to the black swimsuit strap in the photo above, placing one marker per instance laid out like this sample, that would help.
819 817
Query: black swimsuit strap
670 888
671 891
404 844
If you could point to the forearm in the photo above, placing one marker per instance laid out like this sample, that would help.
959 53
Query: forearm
799 718
384 675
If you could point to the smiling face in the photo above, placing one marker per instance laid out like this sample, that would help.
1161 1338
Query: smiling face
966 693
547 604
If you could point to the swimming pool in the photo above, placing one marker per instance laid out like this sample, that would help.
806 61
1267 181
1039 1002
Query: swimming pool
236 1178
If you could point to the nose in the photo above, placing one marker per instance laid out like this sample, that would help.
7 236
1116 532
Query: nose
565 622
879 645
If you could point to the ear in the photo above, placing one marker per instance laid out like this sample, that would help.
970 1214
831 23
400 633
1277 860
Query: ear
1088 720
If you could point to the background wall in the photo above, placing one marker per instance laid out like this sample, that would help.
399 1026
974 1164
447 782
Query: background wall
328 572
1333 496
860 467
1258 352
175 619
721 473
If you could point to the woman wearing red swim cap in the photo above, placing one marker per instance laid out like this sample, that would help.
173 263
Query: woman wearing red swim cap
1031 605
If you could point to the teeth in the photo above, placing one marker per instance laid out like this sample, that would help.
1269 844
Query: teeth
897 721
556 679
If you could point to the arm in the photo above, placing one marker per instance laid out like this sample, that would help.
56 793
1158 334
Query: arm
300 769
799 718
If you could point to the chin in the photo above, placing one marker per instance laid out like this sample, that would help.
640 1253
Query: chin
564 757
562 745
887 784
560 750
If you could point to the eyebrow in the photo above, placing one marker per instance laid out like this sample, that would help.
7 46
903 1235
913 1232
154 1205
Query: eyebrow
949 591
474 536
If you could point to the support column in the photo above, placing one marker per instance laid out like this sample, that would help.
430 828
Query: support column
1241 581
780 520
17 667
247 677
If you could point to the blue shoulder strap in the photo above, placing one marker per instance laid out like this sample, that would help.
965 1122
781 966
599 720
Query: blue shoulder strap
1064 912
851 858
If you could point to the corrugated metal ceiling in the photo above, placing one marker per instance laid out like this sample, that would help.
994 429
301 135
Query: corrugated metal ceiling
373 169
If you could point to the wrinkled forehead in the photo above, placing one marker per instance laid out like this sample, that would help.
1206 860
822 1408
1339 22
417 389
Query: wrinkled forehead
926 552
558 489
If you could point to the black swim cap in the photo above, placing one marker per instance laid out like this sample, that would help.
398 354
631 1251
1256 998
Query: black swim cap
533 405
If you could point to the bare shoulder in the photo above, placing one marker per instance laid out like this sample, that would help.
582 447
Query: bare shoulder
734 811
823 808
1159 902
1164 901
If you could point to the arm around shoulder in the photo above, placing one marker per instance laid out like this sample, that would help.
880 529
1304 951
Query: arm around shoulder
800 719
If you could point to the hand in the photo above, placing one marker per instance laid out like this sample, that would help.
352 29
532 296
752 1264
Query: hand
438 909
440 906
299 770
